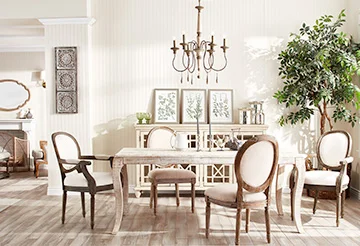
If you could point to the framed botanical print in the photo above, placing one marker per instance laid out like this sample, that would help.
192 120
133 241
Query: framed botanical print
193 105
221 106
166 106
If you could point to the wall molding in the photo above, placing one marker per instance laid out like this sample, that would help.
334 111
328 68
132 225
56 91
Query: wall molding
24 48
65 21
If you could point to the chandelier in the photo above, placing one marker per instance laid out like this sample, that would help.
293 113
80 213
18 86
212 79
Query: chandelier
195 50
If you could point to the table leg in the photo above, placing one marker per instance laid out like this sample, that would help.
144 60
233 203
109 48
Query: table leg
118 190
297 193
125 189
279 186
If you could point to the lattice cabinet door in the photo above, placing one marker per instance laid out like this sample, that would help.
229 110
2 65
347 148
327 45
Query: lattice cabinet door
218 173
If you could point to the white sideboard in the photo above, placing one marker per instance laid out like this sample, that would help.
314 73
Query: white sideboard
207 175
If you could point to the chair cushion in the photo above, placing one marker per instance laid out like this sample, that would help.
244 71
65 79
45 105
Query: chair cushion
227 193
37 154
320 177
171 173
79 180
4 154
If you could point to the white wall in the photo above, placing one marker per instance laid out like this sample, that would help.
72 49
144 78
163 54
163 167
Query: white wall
131 56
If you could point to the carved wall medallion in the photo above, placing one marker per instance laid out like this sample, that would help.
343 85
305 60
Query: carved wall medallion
65 57
66 102
66 79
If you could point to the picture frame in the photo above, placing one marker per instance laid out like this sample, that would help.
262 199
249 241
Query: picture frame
221 106
192 101
166 106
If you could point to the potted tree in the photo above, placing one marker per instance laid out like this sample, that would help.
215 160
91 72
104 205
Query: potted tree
317 68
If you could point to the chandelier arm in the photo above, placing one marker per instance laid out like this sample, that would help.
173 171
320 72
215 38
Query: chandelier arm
183 59
219 70
207 69
178 70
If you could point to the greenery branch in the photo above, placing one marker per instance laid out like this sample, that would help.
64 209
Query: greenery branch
317 68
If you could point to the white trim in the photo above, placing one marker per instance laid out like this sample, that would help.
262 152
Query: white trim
35 48
355 193
63 21
131 189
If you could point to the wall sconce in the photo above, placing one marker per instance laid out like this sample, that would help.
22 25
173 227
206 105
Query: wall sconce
39 78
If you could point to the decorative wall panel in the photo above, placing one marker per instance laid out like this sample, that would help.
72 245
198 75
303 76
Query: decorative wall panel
66 79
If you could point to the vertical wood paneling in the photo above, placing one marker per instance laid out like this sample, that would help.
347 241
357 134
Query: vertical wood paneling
77 124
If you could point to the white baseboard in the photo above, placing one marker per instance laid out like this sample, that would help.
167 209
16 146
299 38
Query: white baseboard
355 193
131 189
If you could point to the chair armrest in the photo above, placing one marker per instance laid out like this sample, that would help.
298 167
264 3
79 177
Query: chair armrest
37 154
348 159
73 161
97 157
78 165
339 181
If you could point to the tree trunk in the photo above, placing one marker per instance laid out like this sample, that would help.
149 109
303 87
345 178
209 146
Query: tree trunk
324 117
322 124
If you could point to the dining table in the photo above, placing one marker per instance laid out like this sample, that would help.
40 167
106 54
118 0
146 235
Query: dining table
134 156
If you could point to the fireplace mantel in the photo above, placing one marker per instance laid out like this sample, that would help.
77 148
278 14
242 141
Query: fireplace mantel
25 125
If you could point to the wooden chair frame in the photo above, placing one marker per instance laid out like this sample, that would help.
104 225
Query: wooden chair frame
41 161
79 165
338 188
239 204
155 182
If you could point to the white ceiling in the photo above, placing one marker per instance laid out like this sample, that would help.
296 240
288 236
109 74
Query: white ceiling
21 35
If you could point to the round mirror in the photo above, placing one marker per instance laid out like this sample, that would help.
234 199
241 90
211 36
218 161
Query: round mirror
13 95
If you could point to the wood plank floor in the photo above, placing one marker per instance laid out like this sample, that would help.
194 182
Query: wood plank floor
29 217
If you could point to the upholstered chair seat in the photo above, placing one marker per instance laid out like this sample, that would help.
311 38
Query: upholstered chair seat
227 193
255 165
325 178
4 155
171 173
79 180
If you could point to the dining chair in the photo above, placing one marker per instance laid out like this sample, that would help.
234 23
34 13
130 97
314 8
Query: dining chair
255 165
333 153
75 174
40 157
160 137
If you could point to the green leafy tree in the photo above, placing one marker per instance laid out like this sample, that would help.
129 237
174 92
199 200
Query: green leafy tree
317 68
